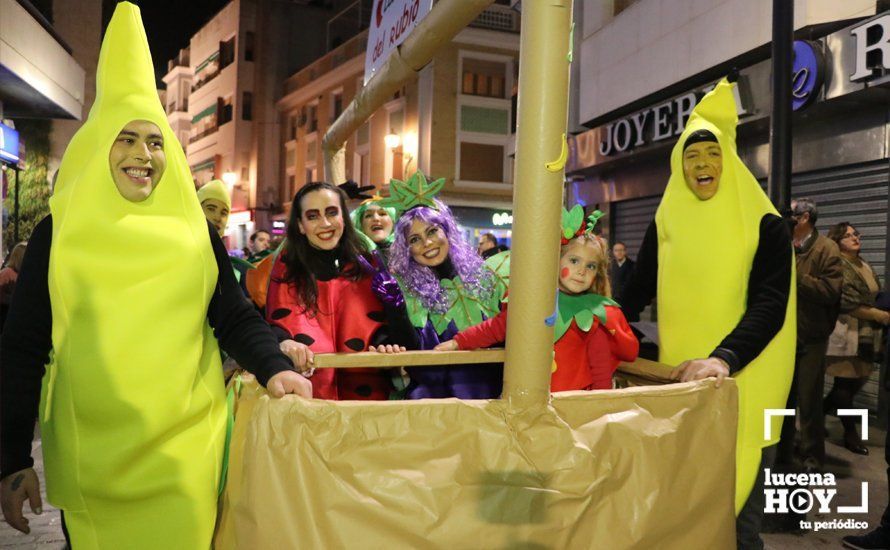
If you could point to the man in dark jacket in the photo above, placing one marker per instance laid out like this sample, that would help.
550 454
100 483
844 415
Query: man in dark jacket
620 270
819 281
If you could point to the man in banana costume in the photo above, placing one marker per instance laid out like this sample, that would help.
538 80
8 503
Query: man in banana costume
719 260
125 293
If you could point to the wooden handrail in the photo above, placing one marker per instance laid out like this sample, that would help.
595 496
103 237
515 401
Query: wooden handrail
644 372
370 359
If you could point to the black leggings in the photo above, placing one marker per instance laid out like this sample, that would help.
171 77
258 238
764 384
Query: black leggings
841 397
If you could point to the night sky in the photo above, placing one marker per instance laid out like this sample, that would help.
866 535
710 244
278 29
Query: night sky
170 25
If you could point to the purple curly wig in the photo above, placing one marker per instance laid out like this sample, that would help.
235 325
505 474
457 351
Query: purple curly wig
421 280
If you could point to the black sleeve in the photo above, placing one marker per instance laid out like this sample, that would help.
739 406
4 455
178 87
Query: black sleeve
643 283
769 286
398 329
24 352
241 332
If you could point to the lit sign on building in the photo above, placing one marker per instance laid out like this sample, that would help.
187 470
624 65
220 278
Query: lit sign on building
278 227
9 144
392 22
808 73
872 54
502 218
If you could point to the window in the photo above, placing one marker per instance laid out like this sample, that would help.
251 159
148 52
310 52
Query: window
224 110
248 45
312 118
292 185
247 106
226 53
481 162
293 122
336 105
484 78
484 119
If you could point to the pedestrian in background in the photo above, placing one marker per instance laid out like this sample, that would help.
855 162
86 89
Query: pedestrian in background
620 270
8 276
857 333
819 281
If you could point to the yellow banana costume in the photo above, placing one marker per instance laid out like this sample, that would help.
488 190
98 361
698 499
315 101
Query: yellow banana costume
705 253
132 406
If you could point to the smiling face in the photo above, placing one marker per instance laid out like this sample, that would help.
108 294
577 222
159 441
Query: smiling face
137 160
217 213
578 266
427 243
376 224
702 168
321 219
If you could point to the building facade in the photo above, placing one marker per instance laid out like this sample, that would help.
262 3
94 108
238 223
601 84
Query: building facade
456 121
636 94
176 97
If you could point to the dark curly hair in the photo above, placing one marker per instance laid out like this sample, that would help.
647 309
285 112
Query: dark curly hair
299 256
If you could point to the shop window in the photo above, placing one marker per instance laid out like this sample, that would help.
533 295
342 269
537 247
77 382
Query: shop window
481 162
226 53
483 78
247 106
248 45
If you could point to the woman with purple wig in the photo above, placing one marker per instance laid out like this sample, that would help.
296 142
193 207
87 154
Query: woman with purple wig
447 288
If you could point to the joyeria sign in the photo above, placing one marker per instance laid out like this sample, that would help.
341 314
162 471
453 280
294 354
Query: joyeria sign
808 73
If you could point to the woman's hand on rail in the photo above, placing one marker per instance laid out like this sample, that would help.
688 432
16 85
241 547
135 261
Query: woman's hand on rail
447 345
699 369
388 348
300 355
289 381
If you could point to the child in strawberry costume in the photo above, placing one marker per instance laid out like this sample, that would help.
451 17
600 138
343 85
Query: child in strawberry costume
591 335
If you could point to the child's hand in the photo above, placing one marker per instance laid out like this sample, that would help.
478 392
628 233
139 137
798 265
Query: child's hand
387 349
448 345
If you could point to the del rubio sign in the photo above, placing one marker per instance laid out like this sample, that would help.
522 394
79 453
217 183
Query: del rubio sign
391 22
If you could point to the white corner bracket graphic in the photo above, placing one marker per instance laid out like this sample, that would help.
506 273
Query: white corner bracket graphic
768 415
861 413
863 503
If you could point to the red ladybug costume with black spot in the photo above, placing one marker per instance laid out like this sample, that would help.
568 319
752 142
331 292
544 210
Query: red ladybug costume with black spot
350 318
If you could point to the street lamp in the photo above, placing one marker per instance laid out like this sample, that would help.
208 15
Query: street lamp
230 178
392 140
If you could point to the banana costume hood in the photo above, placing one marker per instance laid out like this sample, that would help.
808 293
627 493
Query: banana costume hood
705 252
132 408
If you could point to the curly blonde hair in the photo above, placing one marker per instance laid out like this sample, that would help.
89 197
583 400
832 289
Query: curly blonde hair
601 283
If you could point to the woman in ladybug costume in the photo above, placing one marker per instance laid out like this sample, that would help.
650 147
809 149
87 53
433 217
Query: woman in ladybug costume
320 298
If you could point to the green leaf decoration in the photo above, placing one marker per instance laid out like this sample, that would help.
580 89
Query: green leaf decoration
417 314
582 308
593 219
572 220
499 264
415 191
243 263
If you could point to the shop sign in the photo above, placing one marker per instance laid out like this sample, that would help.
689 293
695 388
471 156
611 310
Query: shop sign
9 144
650 126
391 22
808 73
278 227
872 47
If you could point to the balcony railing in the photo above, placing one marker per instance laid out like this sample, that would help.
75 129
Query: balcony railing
205 133
200 84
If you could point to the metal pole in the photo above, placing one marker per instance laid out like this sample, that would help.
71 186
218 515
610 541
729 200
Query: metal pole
537 198
779 184
15 230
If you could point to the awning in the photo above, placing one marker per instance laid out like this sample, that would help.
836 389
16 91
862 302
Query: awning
213 56
209 163
206 112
